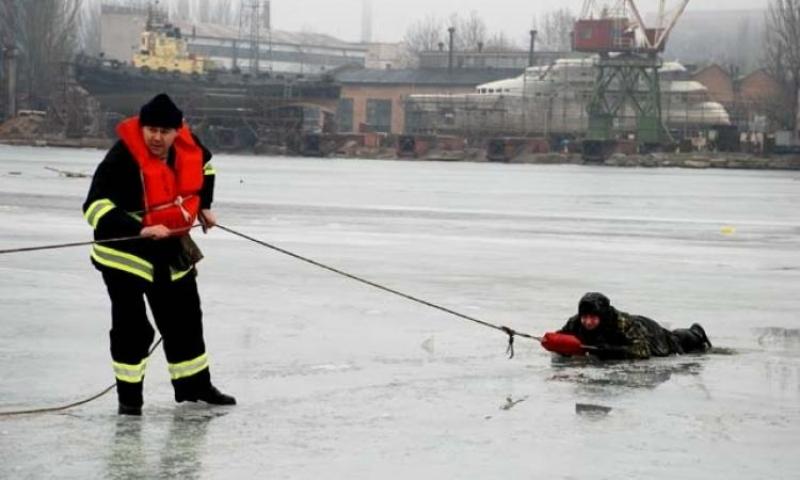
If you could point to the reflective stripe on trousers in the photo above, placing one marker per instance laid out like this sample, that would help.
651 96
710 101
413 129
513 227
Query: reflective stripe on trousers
126 262
130 373
188 368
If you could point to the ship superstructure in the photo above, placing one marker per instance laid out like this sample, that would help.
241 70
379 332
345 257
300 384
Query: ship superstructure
234 109
162 48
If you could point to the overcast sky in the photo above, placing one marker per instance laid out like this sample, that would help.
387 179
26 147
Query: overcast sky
342 18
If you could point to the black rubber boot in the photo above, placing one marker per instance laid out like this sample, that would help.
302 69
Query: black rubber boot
210 395
698 329
130 398
213 396
692 339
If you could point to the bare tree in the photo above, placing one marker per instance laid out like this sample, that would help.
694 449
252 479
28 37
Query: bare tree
48 39
8 46
224 12
424 35
554 30
470 31
89 29
499 42
221 12
8 21
783 53
181 9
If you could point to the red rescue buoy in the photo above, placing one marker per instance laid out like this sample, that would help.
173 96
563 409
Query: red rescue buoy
562 343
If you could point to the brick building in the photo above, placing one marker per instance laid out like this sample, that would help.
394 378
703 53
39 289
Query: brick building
751 99
374 100
719 83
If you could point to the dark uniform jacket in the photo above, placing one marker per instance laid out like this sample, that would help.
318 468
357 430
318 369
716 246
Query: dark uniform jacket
114 208
621 335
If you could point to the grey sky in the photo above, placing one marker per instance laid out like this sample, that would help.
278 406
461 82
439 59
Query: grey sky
342 18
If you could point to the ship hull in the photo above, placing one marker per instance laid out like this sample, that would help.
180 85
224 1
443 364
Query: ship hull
123 89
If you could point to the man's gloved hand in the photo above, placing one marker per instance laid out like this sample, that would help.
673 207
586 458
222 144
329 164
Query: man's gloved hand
207 219
562 343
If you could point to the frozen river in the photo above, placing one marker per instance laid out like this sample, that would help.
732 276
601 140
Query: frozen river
337 380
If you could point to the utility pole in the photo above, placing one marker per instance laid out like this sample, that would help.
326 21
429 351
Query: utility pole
10 56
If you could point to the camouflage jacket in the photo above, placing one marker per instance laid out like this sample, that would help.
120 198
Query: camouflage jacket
626 336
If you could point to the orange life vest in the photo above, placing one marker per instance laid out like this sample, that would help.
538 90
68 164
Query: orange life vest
171 197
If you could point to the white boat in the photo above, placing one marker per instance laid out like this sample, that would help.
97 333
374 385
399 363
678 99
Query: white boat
553 99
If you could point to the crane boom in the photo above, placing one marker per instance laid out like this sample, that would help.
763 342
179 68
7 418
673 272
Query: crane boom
639 19
672 23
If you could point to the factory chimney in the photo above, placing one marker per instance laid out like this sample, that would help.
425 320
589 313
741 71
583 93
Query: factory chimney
366 21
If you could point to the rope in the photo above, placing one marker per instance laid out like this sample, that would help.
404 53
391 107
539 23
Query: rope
74 404
81 244
68 245
113 385
507 330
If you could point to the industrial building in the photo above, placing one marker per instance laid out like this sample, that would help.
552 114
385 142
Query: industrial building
374 100
230 48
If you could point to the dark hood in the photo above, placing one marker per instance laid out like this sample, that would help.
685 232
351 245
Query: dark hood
595 303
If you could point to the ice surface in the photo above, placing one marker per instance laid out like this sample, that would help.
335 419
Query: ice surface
336 380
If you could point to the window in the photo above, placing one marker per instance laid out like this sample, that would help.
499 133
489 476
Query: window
448 116
379 115
344 115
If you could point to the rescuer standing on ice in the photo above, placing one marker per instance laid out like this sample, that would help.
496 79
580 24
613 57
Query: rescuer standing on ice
154 182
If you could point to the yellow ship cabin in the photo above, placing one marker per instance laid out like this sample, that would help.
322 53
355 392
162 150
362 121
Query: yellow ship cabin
163 49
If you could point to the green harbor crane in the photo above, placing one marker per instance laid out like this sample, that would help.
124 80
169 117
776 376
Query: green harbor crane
626 72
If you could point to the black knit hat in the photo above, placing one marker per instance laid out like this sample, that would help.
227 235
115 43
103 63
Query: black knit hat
594 303
160 112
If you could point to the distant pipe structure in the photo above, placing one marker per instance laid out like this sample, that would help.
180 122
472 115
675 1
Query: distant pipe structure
532 48
452 32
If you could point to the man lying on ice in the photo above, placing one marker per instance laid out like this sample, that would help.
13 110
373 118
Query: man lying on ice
608 333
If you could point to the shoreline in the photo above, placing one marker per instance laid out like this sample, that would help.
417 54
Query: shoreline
695 160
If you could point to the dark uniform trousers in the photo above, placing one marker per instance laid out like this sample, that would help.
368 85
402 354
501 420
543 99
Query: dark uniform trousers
175 306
